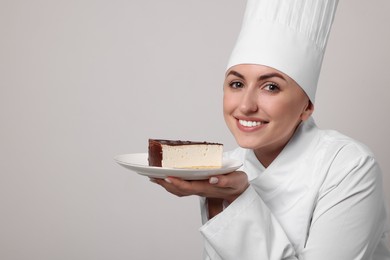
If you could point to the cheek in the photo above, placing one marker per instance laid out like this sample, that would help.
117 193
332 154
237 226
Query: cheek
291 110
280 108
273 106
229 106
228 103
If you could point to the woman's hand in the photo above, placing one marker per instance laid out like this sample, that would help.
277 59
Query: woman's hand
226 187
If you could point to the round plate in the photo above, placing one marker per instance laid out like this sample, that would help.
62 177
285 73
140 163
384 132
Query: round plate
138 162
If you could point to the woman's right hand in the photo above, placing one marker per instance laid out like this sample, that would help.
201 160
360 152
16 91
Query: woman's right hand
226 187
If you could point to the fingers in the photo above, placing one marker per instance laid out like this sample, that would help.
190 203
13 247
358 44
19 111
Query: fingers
213 180
232 180
222 186
180 187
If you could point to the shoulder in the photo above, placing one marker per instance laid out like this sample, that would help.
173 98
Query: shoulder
341 145
333 158
331 141
345 159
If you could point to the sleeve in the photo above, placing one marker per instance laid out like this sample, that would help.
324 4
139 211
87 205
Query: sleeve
245 230
350 216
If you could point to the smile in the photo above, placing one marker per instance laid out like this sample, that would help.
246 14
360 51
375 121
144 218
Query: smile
249 123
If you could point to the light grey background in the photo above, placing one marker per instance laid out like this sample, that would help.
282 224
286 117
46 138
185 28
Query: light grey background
82 81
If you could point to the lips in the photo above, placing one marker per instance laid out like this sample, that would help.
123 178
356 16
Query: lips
250 124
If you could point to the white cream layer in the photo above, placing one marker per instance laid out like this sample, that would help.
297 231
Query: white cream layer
192 156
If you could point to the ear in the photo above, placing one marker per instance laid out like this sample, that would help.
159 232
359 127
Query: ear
308 111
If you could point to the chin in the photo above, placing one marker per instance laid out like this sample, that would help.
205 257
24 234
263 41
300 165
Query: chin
247 143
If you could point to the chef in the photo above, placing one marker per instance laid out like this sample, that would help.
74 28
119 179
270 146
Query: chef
302 192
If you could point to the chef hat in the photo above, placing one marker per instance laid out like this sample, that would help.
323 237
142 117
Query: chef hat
287 35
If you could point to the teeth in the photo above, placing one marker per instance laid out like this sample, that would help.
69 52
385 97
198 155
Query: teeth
249 123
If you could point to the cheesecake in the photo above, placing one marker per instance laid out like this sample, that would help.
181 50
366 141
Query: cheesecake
184 154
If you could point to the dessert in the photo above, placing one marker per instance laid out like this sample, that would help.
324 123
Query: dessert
184 154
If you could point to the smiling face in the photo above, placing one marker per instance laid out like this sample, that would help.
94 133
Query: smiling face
262 108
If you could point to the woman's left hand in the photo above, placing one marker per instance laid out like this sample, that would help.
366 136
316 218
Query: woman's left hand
227 187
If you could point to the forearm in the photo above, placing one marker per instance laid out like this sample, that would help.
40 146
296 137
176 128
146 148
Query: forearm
214 207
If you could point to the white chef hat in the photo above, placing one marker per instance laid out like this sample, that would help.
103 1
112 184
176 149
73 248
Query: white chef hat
287 35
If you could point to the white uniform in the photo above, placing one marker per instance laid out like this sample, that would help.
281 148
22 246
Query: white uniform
320 199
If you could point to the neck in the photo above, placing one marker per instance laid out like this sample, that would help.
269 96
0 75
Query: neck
267 158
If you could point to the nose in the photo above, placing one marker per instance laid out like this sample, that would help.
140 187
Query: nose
249 102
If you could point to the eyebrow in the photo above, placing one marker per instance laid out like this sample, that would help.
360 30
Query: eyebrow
262 77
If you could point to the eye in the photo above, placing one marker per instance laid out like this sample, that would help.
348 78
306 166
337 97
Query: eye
272 87
236 84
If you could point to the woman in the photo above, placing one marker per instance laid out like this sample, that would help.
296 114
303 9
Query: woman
302 193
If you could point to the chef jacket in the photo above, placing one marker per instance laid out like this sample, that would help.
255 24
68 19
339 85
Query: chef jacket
321 199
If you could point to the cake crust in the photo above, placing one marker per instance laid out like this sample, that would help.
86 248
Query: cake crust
155 153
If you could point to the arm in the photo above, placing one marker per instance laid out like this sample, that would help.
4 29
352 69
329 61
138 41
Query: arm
349 218
246 230
214 207
348 221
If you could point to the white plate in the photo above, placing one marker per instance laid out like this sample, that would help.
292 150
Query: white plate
138 162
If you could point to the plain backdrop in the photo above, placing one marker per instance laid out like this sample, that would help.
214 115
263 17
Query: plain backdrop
82 81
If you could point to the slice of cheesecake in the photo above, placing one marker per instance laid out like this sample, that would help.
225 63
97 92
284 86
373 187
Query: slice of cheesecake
184 154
